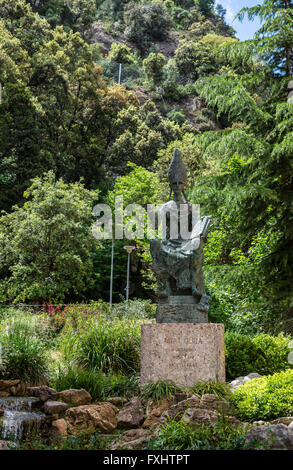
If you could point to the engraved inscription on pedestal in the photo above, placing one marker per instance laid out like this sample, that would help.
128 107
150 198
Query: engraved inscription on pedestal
182 353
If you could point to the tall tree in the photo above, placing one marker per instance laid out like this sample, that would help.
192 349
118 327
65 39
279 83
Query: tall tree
274 40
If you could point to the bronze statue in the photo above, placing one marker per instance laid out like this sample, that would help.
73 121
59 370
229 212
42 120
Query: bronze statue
178 260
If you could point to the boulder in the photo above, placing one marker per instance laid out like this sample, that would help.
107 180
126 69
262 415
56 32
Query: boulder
55 407
212 402
176 411
117 401
4 394
131 416
133 439
155 409
7 445
75 397
274 436
60 425
43 392
242 380
200 416
90 417
5 385
287 420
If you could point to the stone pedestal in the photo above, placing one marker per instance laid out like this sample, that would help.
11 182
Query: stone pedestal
182 353
181 309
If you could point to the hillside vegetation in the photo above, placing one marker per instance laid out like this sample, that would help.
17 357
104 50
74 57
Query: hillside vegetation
71 136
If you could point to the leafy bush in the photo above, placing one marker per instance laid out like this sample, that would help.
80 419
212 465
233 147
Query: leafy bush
106 345
160 389
22 352
262 353
182 436
265 397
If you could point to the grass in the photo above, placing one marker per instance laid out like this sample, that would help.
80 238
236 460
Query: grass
220 389
106 345
160 389
23 345
178 435
95 382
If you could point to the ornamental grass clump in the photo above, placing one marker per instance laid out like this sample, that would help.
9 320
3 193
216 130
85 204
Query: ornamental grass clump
106 345
23 351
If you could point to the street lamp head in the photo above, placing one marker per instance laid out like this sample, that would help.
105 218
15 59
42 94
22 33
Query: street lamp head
129 248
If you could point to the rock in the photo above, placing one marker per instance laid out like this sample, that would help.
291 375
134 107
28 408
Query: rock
7 445
133 439
200 416
287 420
260 423
4 394
242 380
212 402
275 436
291 426
155 409
176 411
55 407
75 397
117 401
18 390
43 392
85 417
60 425
5 385
131 416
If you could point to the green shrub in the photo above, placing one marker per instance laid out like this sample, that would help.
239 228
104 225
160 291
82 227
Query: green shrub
262 353
182 436
160 389
265 397
106 345
22 352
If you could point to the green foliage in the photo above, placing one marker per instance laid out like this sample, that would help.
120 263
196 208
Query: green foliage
23 351
120 53
46 244
146 22
103 344
178 435
153 66
221 390
274 39
265 398
177 116
160 389
95 382
263 354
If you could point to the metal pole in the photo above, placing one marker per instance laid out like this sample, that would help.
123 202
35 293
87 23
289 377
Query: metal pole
120 71
128 272
112 269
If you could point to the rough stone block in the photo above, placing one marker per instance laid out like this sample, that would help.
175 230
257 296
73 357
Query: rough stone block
182 353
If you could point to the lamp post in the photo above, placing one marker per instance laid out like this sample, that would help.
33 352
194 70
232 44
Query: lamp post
129 249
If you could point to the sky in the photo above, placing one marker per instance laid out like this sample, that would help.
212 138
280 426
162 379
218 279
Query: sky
246 29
